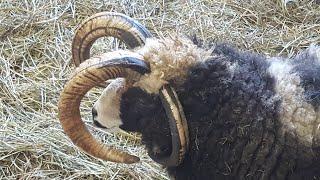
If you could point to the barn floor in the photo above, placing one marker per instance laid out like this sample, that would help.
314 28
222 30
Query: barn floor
35 62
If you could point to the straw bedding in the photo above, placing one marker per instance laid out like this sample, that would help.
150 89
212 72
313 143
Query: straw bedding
35 62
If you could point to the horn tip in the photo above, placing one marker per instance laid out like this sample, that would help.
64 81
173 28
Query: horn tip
132 159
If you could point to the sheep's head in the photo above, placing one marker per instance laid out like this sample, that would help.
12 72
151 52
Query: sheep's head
141 112
133 109
143 78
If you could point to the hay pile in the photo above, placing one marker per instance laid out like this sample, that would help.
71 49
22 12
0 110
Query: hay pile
35 40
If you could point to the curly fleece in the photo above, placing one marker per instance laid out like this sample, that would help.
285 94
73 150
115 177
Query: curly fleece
245 116
169 59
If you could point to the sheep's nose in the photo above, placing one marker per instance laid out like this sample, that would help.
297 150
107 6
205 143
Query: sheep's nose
94 113
96 123
94 116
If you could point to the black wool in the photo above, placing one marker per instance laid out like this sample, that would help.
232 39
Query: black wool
233 119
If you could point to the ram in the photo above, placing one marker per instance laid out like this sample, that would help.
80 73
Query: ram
204 113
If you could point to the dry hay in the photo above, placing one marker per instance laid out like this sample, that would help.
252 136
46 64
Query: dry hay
35 39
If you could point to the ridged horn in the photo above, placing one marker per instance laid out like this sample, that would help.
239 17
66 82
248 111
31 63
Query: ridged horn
104 24
178 127
91 73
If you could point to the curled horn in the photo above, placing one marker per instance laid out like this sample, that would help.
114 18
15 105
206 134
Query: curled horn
91 73
95 71
178 127
117 25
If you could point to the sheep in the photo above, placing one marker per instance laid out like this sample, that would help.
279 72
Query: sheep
204 113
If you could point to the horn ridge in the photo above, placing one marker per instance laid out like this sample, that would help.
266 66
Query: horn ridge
90 74
106 24
178 127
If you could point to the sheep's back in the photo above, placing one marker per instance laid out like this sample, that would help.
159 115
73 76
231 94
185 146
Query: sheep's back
236 115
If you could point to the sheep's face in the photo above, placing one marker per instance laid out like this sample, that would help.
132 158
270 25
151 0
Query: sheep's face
137 107
135 110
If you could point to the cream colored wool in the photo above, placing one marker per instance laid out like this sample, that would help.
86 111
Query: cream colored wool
296 114
170 59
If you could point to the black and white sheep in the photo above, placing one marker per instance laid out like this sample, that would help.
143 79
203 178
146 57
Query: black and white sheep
249 116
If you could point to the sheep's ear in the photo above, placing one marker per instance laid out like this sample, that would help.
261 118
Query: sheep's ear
178 127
